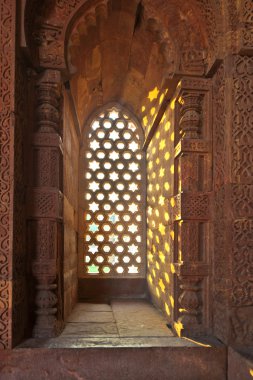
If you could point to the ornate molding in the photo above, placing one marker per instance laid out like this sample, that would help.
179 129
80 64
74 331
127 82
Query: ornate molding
188 145
190 120
46 35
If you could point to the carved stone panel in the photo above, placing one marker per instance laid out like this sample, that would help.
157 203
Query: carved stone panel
242 120
46 203
193 206
233 207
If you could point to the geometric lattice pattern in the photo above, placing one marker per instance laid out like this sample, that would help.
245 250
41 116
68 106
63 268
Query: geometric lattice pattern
114 198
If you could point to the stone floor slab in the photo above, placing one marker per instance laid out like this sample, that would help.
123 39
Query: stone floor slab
78 316
89 329
93 307
136 319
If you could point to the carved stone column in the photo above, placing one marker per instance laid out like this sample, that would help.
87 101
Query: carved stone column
191 200
46 204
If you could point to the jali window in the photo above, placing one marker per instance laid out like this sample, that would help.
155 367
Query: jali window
112 196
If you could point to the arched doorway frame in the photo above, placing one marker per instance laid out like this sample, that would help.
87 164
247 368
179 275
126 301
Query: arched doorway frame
191 297
8 334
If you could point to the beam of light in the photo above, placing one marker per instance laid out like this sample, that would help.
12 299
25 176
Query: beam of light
197 342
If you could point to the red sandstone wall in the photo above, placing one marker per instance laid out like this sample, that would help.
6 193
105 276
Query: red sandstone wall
232 172
70 189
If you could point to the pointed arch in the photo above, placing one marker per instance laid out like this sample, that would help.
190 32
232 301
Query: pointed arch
112 196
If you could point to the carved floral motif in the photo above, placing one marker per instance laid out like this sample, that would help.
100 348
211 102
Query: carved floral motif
7 56
242 120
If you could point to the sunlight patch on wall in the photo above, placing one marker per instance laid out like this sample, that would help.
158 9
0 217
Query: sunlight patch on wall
151 106
160 243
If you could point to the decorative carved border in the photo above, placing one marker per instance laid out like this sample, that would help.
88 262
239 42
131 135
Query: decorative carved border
7 66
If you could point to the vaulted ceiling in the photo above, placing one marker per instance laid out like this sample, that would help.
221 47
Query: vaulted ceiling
128 50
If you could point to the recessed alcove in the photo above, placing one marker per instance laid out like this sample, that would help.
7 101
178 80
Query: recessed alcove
112 207
118 167
126 189
136 169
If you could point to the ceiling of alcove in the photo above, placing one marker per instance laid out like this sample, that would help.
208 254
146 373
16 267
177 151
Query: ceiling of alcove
125 52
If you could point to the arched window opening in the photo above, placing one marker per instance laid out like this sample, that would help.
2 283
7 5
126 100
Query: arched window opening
112 196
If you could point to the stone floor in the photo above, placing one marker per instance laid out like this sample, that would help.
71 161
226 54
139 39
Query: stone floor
121 319
126 340
123 323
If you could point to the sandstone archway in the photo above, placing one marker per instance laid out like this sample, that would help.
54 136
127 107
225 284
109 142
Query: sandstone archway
179 67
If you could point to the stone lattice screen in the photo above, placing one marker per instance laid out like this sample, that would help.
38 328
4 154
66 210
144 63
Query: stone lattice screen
112 197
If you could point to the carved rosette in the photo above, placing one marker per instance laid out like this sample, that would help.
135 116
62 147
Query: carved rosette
192 201
45 203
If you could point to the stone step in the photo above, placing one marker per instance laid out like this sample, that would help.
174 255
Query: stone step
179 359
126 339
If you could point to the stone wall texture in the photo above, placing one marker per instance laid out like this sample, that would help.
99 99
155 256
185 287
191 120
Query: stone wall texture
70 186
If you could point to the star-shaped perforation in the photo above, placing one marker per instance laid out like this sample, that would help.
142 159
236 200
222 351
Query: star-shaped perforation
114 176
94 186
93 248
114 156
94 145
114 135
133 208
113 259
93 227
114 218
133 146
133 249
94 165
94 206
133 187
133 167
133 228
113 238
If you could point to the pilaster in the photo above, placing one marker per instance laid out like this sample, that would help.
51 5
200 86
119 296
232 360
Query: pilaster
191 206
45 204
